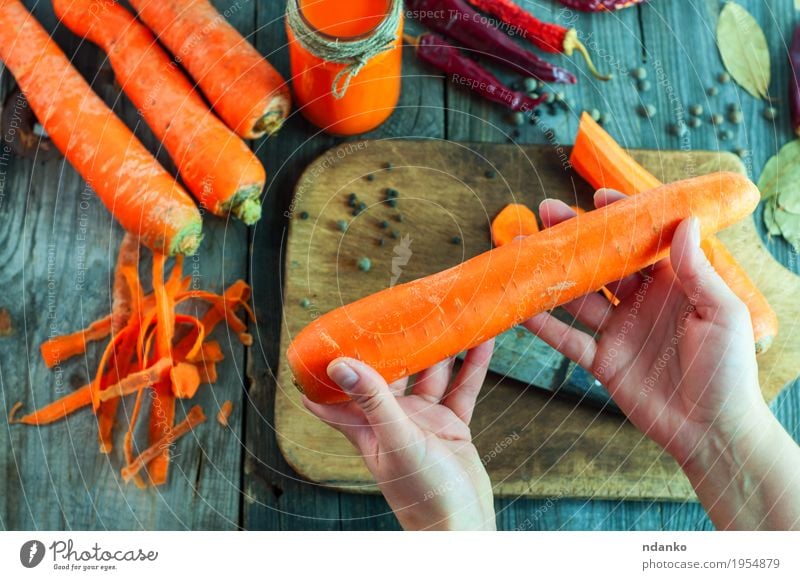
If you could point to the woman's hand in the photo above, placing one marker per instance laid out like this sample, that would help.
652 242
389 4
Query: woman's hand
676 354
418 447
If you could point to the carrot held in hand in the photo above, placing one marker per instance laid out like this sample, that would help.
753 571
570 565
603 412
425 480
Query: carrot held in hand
407 328
216 165
242 87
603 163
140 194
432 49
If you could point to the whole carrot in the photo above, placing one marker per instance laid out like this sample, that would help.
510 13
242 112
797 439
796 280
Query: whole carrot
242 87
215 164
603 163
405 329
140 194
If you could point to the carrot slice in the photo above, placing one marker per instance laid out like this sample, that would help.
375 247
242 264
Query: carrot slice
185 379
225 413
56 410
514 221
157 449
60 348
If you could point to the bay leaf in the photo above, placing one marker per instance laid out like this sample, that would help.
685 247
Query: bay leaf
743 48
782 172
789 224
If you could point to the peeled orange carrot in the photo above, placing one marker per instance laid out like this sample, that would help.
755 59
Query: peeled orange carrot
407 328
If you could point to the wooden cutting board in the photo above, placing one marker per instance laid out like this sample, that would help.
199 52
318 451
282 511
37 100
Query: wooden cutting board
533 444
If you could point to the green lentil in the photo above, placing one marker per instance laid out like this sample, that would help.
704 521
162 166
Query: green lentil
647 111
594 114
303 215
381 242
560 96
530 85
399 217
549 98
392 203
455 240
639 73
490 174
305 303
726 135
717 119
364 264
677 129
696 110
384 224
643 85
362 206
770 113
395 234
741 152
712 91
694 122
370 177
723 78
391 193
517 118
735 117
388 166
342 225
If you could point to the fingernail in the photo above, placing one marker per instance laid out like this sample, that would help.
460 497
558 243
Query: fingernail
694 231
343 375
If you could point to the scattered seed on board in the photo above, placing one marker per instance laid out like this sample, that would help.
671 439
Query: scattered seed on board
305 303
696 110
594 114
605 118
391 192
770 113
530 85
392 203
723 78
515 134
303 215
389 166
540 85
639 73
395 234
741 152
677 129
399 217
517 118
455 240
717 119
734 107
647 111
570 103
694 122
560 96
549 98
735 117
342 225
643 85
490 174
381 242
712 91
364 264
384 224
725 135
370 177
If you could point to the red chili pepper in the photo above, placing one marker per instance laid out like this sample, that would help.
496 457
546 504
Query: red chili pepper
549 37
455 18
599 5
435 51
794 81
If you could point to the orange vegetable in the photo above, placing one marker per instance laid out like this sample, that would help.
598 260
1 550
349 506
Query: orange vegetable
225 413
140 194
185 379
603 163
242 87
514 221
60 348
215 164
194 417
56 410
407 328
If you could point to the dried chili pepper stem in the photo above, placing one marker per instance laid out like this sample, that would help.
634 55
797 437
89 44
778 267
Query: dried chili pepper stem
432 49
547 36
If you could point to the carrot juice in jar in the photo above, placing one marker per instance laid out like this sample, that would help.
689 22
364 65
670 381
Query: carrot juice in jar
346 59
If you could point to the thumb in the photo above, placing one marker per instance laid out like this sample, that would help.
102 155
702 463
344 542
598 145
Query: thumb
368 389
706 290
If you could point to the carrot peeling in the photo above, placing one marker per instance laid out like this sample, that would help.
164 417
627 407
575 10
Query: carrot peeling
225 413
58 349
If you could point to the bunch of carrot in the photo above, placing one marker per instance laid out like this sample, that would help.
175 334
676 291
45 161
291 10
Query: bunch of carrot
151 347
215 164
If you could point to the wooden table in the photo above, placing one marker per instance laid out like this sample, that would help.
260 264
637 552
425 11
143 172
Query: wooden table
57 242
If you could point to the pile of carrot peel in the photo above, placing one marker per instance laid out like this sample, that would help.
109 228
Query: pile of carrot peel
153 350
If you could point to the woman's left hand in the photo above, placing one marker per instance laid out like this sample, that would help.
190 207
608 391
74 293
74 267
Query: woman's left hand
418 447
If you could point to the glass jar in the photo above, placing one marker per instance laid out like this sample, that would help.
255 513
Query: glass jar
346 61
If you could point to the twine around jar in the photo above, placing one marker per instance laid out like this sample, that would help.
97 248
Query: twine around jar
354 54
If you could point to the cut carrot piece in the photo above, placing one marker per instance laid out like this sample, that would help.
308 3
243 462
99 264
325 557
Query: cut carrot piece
514 221
138 380
599 159
185 379
58 349
161 446
225 413
208 372
56 410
